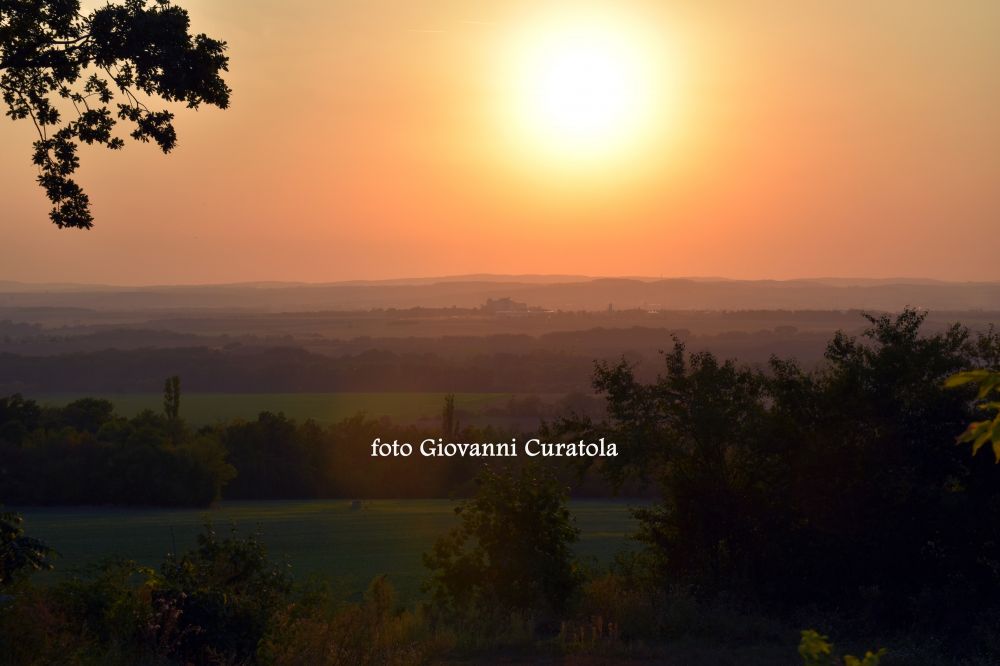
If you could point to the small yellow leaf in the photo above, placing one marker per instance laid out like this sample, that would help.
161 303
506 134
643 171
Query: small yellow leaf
980 440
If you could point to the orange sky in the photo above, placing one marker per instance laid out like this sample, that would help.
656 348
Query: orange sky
373 139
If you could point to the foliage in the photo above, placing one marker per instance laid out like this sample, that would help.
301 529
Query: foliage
986 430
19 553
76 75
318 630
289 369
211 605
280 458
85 453
172 397
224 602
449 424
511 553
111 608
623 597
816 650
836 492
18 417
836 487
226 591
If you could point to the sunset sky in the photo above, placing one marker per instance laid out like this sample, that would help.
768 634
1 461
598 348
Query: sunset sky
385 139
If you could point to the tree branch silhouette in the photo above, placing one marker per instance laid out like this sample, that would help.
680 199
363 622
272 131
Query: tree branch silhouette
51 51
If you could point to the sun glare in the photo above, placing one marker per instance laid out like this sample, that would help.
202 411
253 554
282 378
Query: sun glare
583 89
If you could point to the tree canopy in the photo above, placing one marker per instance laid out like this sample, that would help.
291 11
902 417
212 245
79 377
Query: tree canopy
786 485
75 75
510 553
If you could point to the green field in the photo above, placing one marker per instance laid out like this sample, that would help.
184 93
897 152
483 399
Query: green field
209 408
316 537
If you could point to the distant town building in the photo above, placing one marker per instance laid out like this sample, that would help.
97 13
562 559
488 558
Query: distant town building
503 306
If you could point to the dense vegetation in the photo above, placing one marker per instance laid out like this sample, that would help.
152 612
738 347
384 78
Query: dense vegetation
415 350
510 553
85 454
842 488
836 499
295 370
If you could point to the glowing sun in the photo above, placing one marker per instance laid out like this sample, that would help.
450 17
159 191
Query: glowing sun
582 90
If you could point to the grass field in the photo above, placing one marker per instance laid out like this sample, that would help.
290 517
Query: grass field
209 408
316 537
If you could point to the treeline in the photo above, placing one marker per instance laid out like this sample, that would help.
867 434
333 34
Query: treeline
292 370
277 458
85 453
434 355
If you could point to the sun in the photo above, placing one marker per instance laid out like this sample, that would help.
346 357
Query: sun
582 89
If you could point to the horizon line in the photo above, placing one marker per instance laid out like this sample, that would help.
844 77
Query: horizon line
541 278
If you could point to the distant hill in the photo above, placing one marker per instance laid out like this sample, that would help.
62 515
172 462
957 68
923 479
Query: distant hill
547 292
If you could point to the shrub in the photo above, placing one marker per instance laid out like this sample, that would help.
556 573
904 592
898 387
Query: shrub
374 632
19 554
511 554
224 594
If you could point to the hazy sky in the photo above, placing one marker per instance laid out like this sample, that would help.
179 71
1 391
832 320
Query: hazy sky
377 139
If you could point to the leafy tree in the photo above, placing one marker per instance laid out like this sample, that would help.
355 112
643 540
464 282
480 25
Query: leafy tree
511 552
449 425
172 397
788 486
226 591
19 553
984 430
76 75
18 417
275 457
702 433
86 414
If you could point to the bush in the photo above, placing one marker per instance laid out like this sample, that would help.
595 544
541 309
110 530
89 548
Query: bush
224 593
509 557
19 554
374 632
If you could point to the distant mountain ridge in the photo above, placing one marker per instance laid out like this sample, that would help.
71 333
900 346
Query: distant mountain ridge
562 292
528 278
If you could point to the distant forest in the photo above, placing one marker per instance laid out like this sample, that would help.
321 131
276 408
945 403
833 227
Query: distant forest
437 350
293 370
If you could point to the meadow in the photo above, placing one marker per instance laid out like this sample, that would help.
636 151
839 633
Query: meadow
324 538
209 408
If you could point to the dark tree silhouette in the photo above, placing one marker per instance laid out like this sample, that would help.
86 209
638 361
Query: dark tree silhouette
172 397
511 552
449 424
19 554
76 75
